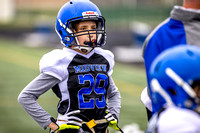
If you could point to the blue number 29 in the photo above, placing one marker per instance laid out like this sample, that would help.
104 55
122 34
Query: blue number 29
94 83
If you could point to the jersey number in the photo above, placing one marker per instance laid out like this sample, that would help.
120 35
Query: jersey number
100 91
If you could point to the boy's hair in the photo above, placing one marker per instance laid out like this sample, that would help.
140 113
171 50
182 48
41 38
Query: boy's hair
75 24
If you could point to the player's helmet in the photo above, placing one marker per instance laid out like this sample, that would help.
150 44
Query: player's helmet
80 10
173 74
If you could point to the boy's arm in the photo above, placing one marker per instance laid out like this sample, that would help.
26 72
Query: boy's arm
27 98
114 99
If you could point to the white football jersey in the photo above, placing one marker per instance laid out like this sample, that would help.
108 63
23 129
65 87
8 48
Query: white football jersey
85 82
175 120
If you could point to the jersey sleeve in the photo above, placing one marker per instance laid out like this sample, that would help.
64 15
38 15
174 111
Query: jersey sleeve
111 62
27 98
114 99
54 64
110 57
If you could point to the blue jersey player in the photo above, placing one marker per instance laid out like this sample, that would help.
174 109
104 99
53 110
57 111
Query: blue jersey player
79 75
182 27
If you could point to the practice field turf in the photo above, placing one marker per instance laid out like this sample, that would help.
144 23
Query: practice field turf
19 65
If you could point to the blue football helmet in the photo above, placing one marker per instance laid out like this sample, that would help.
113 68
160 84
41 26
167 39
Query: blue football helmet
80 10
173 75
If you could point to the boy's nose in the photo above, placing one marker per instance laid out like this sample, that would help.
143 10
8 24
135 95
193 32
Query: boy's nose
92 34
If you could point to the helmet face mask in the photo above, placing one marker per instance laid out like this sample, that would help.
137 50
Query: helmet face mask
173 74
98 32
83 11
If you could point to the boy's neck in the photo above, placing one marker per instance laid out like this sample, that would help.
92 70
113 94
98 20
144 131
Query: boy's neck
193 4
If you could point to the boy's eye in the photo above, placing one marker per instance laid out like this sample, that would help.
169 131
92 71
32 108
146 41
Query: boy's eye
87 28
82 29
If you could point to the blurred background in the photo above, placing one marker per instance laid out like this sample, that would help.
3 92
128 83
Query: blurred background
27 32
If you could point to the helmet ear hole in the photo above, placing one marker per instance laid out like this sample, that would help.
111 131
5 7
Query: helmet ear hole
172 91
60 32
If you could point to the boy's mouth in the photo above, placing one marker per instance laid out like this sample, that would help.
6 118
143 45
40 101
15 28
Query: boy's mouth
92 43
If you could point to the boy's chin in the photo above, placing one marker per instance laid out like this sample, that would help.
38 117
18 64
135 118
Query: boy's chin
84 50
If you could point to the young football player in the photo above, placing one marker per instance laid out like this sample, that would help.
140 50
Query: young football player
175 83
79 75
182 27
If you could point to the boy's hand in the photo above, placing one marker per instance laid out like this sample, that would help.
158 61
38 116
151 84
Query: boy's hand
112 121
69 121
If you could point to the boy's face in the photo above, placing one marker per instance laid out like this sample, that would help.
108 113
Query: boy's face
85 26
197 91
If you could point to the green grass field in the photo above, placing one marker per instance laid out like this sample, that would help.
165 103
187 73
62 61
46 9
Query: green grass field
19 65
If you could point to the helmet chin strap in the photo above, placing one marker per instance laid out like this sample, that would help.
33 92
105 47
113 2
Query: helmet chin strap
82 48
